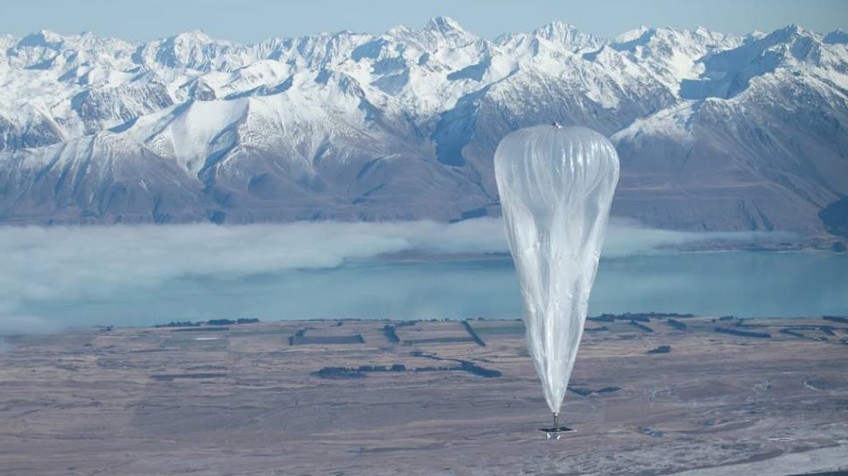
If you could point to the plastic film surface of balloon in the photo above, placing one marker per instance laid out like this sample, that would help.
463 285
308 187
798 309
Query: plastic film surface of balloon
556 186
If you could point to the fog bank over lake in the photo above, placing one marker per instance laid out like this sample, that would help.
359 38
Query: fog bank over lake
58 277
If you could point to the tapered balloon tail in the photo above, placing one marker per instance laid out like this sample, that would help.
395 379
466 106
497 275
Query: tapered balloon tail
556 431
556 186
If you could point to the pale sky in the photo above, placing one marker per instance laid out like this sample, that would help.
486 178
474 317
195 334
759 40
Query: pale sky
249 21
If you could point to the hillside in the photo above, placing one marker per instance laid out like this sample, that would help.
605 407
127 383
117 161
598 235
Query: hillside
715 132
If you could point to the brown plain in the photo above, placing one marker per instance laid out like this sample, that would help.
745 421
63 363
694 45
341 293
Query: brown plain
249 400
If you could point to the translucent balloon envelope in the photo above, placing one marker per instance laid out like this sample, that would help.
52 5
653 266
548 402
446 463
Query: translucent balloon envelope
556 186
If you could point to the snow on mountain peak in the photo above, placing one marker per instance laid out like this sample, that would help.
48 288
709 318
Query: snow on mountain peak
193 50
43 38
437 33
197 36
296 117
568 35
445 25
785 35
632 35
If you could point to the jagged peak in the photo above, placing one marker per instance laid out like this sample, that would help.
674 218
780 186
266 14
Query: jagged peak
398 30
836 37
792 28
631 35
786 35
434 32
42 38
444 24
639 37
565 33
555 28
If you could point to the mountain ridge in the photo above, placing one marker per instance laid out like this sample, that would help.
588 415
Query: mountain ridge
715 131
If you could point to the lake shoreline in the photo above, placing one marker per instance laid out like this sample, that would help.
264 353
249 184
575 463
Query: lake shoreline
593 323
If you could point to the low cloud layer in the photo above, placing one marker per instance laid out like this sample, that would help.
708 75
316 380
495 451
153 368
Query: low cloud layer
47 271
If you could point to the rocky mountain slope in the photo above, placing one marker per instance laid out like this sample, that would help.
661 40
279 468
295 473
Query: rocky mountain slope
715 132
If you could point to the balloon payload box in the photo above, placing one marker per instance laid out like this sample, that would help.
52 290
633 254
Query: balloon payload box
556 431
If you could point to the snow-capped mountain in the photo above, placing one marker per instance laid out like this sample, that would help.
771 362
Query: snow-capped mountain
715 132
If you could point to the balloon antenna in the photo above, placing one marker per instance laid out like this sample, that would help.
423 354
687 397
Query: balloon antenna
556 431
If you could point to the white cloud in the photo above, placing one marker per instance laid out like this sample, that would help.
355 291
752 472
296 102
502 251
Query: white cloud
41 266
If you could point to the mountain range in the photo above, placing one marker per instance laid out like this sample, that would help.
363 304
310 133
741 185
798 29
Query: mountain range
714 131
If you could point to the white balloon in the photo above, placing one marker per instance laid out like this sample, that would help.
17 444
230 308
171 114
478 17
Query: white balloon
556 186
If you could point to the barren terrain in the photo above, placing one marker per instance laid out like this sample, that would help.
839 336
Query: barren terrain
377 397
